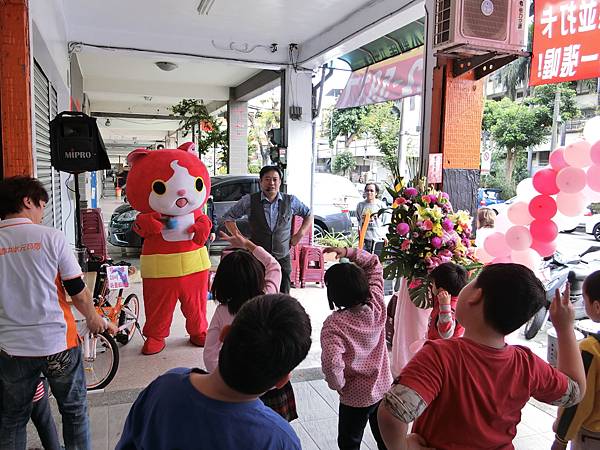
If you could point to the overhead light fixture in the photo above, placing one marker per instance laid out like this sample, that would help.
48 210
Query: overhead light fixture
147 98
107 123
205 6
167 66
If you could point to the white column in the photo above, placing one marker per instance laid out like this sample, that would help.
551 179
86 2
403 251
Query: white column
238 137
298 92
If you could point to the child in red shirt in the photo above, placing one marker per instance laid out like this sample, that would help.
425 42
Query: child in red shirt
447 279
467 393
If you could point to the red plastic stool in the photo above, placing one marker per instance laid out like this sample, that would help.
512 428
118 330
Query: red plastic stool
312 266
295 252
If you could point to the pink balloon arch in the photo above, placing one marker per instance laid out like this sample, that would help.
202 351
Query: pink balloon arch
546 204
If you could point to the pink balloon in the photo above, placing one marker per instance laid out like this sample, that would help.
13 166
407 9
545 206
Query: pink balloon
557 159
593 177
518 238
518 213
482 255
595 152
501 260
502 222
543 230
495 245
544 181
571 180
577 154
528 258
590 195
544 248
570 205
542 207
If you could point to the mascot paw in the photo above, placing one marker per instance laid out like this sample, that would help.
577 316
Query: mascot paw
153 346
198 340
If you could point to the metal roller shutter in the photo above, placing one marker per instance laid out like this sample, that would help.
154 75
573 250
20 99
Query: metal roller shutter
45 101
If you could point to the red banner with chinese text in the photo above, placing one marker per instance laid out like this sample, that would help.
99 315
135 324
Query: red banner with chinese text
391 79
566 41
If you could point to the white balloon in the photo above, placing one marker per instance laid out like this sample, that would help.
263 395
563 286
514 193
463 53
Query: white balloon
591 195
591 130
565 223
528 258
502 222
525 190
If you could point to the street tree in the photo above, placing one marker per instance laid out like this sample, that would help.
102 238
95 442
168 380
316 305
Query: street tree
261 120
514 127
383 124
343 163
348 123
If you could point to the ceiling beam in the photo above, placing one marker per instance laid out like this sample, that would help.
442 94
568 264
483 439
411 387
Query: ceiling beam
375 19
155 89
262 82
117 115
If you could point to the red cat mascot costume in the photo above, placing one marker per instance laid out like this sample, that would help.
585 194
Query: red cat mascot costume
169 188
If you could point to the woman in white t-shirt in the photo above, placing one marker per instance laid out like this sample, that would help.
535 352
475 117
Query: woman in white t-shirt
375 231
485 225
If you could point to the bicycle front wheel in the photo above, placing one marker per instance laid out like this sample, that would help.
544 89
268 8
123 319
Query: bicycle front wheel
102 367
129 317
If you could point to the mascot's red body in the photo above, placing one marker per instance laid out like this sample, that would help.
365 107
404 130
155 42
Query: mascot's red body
169 189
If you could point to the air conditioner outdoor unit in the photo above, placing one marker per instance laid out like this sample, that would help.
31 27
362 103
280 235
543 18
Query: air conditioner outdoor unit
474 27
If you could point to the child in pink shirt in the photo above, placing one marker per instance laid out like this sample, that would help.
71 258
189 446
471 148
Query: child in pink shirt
354 354
447 281
241 276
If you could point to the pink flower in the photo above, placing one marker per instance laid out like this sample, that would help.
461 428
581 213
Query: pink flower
444 195
436 242
402 228
447 225
426 199
427 225
411 192
415 283
405 245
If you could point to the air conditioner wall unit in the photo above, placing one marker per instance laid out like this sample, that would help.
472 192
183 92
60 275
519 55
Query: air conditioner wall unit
472 27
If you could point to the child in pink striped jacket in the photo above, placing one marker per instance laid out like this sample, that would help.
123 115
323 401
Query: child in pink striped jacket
354 354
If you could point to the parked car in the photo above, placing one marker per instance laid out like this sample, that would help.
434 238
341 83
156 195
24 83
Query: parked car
333 202
488 196
592 225
501 207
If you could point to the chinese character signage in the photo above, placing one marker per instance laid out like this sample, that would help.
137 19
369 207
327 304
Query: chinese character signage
566 41
391 79
118 277
434 174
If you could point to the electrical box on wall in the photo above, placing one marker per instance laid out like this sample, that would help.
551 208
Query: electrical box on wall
295 112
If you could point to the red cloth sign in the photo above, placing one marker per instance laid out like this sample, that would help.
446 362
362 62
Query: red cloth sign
391 79
566 41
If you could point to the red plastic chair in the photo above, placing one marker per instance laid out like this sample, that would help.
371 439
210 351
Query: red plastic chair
93 234
312 266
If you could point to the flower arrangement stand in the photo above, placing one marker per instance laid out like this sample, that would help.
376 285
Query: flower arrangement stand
410 329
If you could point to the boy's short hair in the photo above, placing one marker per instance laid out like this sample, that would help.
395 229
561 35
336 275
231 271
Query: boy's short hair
347 285
591 286
450 277
512 294
268 169
269 336
14 190
240 277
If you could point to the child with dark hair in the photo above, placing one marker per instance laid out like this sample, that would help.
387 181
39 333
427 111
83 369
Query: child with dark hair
581 423
190 409
354 355
243 274
447 281
469 392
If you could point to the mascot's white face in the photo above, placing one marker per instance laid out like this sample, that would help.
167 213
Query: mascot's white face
179 195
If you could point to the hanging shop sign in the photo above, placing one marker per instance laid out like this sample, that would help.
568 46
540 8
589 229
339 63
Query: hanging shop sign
391 79
566 41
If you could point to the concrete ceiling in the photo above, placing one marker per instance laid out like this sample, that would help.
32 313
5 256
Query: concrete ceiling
123 39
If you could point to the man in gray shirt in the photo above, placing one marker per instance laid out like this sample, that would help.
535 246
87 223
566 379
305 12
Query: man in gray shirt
270 215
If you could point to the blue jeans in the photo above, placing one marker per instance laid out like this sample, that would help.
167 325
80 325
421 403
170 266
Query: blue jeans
41 416
20 376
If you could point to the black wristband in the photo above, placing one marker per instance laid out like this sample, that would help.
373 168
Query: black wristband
74 286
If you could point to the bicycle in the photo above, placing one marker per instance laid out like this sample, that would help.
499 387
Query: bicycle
101 352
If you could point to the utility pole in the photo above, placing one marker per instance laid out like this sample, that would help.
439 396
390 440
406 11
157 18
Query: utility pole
555 117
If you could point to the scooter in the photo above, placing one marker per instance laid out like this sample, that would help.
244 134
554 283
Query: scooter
575 273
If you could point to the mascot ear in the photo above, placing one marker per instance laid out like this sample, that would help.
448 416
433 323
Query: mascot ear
136 155
189 147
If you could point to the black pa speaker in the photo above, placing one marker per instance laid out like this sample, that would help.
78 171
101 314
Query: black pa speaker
76 144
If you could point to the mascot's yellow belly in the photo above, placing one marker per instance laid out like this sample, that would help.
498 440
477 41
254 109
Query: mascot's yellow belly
174 264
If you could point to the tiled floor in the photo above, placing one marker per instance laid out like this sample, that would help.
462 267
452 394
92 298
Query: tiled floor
317 404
